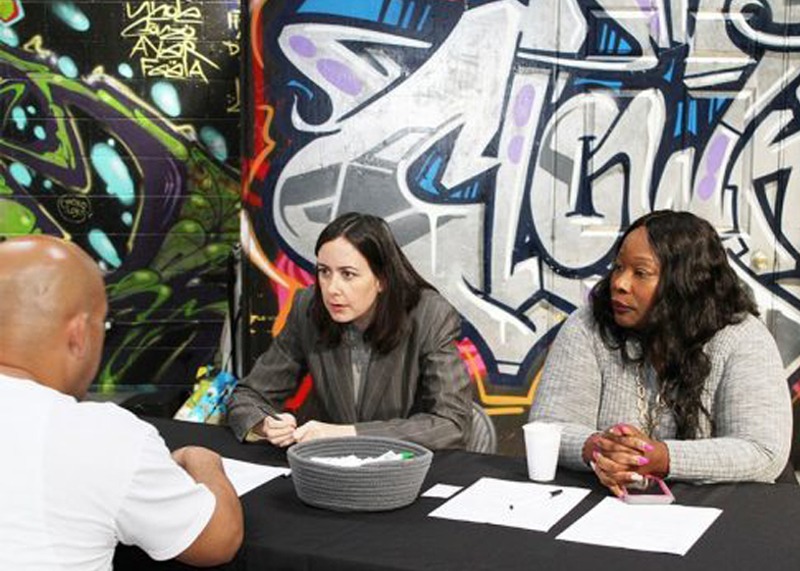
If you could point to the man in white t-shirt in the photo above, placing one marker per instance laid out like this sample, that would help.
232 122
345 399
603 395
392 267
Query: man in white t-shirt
77 478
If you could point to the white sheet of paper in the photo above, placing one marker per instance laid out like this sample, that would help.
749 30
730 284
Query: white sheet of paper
661 528
441 491
246 476
515 504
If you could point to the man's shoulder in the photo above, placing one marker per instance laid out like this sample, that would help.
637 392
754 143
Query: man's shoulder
107 419
109 412
68 414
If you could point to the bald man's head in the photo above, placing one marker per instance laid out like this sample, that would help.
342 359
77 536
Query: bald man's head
53 304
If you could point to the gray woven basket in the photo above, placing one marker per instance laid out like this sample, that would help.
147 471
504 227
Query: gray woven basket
372 487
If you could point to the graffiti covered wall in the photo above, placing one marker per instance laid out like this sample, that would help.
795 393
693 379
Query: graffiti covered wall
508 143
120 131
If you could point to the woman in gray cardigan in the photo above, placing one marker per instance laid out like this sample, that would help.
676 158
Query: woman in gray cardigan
668 371
379 342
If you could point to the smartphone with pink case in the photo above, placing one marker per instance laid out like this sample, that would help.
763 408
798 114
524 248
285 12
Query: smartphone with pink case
652 490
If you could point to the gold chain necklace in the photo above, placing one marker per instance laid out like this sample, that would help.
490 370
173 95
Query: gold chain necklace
649 417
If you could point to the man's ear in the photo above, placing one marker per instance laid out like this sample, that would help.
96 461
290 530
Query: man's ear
78 335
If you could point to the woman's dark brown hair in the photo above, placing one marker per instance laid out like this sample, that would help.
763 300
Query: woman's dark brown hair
698 294
402 285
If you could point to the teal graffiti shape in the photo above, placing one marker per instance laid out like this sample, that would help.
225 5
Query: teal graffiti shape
166 97
114 172
19 117
104 248
8 36
215 142
21 174
66 65
125 70
72 16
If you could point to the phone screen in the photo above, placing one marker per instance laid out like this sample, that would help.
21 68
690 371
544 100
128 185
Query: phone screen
650 491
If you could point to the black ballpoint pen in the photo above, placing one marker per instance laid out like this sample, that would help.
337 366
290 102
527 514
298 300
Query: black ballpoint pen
271 413
553 494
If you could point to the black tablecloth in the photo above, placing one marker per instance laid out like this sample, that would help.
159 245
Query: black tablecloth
756 531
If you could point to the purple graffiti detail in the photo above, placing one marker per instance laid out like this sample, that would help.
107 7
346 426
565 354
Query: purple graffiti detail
515 149
654 21
340 76
655 25
716 152
706 187
523 105
302 46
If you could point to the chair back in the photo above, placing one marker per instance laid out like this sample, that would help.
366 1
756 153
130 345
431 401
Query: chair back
483 437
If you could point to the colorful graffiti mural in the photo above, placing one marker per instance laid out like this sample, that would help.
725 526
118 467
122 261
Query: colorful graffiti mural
116 135
508 143
11 12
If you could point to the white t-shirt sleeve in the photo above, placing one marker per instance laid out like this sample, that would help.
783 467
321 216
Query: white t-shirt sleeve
164 510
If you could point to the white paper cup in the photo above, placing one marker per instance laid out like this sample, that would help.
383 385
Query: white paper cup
542 440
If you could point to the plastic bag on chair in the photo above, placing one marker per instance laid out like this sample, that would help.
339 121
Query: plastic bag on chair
208 401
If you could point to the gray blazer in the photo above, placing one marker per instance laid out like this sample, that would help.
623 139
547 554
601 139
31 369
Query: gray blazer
419 391
587 387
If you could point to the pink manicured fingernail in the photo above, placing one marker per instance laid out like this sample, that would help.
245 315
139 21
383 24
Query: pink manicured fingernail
642 460
595 454
648 447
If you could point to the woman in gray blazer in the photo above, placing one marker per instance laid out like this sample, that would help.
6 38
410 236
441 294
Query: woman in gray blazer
379 342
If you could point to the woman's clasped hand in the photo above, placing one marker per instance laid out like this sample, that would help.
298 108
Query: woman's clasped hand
623 455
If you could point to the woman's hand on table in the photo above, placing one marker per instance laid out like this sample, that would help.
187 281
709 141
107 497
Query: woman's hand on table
614 481
278 431
314 429
623 455
651 456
